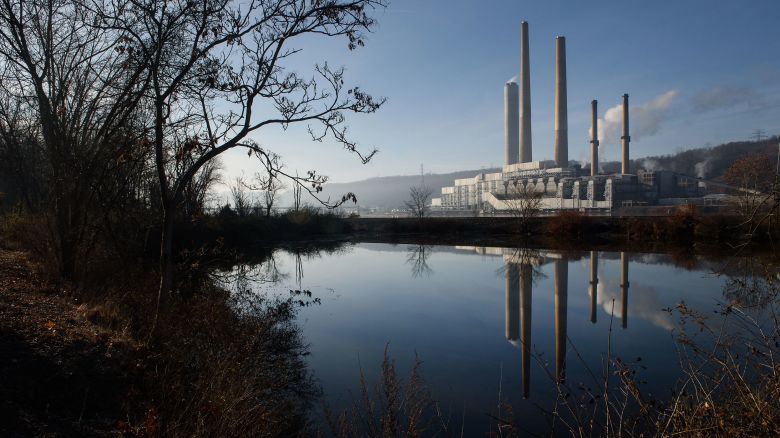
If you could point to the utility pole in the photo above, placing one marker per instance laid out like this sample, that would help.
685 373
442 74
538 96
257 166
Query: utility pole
758 135
422 175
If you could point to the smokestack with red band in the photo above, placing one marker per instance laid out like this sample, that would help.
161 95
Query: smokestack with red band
525 96
561 117
626 138
594 139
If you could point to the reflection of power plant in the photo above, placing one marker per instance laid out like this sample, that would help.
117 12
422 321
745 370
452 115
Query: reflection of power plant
594 284
519 289
526 290
624 288
561 296
560 183
519 272
512 302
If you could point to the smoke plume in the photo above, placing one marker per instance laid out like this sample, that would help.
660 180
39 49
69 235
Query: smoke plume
726 96
645 119
651 164
702 168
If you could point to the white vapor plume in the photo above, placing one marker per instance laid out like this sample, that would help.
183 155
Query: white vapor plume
644 120
651 164
702 168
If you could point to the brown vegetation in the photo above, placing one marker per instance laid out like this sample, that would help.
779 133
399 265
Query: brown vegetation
76 367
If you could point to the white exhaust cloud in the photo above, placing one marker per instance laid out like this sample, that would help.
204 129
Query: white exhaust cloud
644 120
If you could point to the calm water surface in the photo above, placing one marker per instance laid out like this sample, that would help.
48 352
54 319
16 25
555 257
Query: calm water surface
468 313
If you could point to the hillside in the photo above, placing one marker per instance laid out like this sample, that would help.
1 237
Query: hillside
709 163
392 191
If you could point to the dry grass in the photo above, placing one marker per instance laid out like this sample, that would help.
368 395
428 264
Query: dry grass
390 408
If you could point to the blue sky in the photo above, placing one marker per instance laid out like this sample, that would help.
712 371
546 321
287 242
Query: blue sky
698 72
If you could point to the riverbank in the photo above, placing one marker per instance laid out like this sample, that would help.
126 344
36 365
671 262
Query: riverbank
81 362
63 375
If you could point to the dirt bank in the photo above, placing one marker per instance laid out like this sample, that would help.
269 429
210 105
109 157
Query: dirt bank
62 375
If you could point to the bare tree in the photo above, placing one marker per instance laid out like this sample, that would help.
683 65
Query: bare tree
270 186
215 65
296 196
754 175
242 202
523 202
419 201
65 85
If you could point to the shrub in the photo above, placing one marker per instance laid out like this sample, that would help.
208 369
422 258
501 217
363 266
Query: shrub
566 224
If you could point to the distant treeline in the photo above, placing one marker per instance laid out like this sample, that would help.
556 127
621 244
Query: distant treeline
706 162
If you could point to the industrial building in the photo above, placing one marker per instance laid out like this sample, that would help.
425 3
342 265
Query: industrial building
560 184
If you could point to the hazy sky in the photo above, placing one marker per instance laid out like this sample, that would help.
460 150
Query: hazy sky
698 72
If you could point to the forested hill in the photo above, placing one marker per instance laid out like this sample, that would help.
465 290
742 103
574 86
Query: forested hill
392 191
709 163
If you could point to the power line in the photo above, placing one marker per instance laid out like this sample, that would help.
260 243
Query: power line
758 135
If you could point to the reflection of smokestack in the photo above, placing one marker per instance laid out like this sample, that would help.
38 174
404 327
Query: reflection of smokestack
526 291
511 129
561 295
512 302
594 139
525 96
626 138
594 283
561 117
624 288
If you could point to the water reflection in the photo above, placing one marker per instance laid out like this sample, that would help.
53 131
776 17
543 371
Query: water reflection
594 284
417 258
624 289
487 297
561 297
520 267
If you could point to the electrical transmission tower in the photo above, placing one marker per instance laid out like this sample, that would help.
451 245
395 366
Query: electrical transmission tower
758 135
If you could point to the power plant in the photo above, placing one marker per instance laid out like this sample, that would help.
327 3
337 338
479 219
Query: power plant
561 184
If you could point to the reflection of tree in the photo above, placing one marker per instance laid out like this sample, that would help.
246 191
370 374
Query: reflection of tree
417 257
529 259
750 282
244 276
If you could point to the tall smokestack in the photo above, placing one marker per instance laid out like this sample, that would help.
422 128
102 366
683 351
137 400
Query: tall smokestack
561 117
511 128
525 96
626 138
594 138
